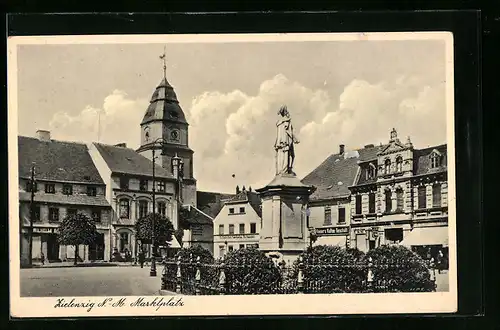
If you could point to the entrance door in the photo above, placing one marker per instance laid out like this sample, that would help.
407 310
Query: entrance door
96 249
52 248
371 244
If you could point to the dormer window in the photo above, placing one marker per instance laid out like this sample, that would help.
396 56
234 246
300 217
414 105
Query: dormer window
399 164
370 174
387 166
435 159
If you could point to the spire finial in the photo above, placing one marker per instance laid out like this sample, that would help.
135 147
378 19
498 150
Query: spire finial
164 58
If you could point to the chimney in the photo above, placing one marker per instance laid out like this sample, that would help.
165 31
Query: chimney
121 145
43 135
341 149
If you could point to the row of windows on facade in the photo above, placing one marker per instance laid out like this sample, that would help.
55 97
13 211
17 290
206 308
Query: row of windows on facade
231 210
54 214
253 229
124 211
422 199
143 184
372 171
222 248
67 189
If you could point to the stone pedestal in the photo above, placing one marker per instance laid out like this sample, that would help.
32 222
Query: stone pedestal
284 233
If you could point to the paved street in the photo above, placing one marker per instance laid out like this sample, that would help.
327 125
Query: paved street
89 281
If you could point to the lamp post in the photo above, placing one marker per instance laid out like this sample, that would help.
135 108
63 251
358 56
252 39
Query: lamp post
32 214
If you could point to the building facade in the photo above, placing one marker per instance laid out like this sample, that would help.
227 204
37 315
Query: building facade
66 181
238 224
400 196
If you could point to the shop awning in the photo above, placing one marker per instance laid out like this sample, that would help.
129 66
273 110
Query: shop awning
331 240
426 236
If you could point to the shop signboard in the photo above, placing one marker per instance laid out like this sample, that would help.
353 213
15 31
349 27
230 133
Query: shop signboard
332 231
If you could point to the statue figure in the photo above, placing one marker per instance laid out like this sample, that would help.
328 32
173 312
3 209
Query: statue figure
284 145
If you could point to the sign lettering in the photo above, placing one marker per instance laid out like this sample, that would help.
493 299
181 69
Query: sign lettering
332 231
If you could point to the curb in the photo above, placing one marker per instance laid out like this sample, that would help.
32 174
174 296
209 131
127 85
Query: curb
168 293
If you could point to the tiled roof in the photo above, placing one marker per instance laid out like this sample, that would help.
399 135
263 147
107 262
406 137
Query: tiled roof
198 217
164 105
249 197
210 202
422 161
65 199
333 177
56 160
128 161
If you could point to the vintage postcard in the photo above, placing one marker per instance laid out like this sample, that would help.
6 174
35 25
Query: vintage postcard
232 174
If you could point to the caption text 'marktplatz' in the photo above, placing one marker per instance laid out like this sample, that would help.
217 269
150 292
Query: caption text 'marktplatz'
120 302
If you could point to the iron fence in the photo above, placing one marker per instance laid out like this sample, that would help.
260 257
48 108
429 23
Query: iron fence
196 278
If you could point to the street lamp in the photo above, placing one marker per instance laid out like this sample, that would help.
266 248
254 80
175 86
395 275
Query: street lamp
32 213
152 272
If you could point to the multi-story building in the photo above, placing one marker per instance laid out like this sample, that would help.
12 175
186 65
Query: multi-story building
66 181
129 184
400 196
329 206
238 223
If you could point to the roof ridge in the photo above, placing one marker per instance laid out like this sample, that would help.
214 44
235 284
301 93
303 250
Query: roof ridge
54 140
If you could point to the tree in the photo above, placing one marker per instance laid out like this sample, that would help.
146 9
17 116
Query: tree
163 229
77 229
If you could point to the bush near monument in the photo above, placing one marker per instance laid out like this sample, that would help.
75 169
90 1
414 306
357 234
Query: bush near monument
400 269
77 229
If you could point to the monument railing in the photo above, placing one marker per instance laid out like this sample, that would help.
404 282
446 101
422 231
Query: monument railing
196 278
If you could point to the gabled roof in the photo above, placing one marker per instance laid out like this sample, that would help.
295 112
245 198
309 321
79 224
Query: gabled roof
333 177
422 160
127 161
57 161
164 105
211 202
198 217
249 197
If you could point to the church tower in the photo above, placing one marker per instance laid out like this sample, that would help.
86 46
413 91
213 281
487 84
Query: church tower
164 128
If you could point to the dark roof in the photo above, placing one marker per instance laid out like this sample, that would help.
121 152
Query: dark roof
249 197
333 177
210 202
198 217
128 161
56 160
65 199
422 161
164 105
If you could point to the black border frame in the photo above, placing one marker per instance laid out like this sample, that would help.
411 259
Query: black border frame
466 28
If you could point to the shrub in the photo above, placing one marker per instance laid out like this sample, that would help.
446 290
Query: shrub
330 269
249 271
77 229
163 229
193 252
398 269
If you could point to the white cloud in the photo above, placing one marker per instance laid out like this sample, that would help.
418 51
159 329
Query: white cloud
119 121
234 133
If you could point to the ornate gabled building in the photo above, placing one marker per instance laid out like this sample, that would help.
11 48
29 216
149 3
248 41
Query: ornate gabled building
399 196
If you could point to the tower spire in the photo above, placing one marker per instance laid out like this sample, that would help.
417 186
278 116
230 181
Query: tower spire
164 58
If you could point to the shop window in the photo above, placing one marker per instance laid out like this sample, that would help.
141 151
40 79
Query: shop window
436 195
341 215
371 202
388 200
328 216
91 191
124 208
422 197
242 210
162 208
387 166
143 208
143 185
50 188
96 215
253 228
67 189
221 229
393 235
399 164
231 229
399 200
124 183
54 214
123 241
161 186
242 228
231 210
358 204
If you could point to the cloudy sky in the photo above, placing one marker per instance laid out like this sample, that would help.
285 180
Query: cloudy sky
338 92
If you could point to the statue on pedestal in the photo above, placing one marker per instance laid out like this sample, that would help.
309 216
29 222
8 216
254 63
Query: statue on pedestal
285 141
